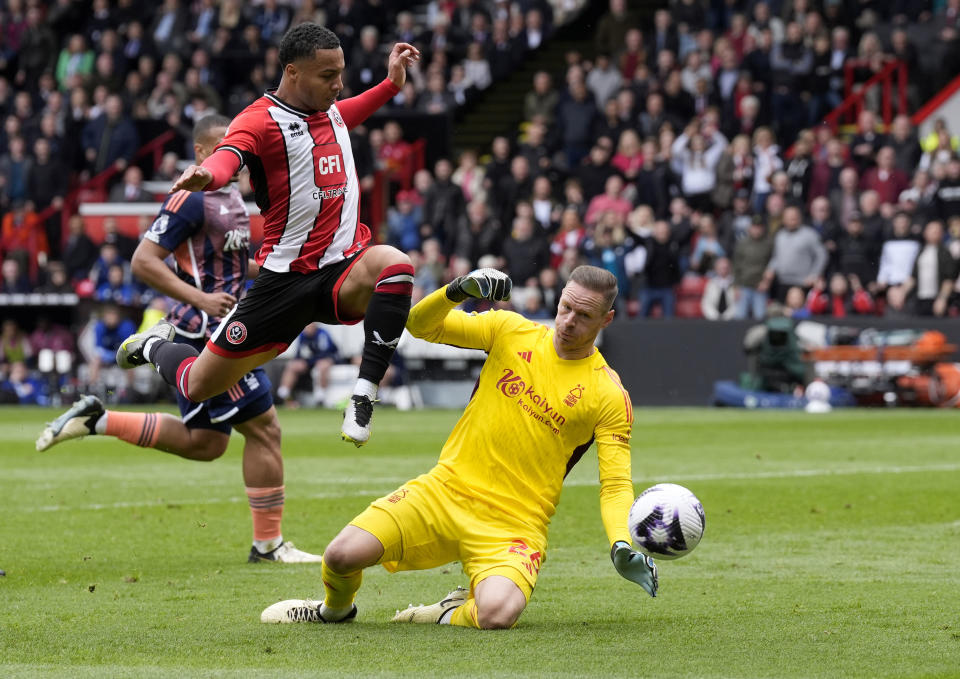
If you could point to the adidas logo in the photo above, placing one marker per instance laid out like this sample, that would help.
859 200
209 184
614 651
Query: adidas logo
525 355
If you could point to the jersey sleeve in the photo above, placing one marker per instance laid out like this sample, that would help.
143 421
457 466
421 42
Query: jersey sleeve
612 434
180 217
244 135
434 319
357 109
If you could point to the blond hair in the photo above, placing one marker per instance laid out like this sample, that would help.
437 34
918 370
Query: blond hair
598 280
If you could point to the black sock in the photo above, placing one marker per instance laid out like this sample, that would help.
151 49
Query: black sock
385 319
168 356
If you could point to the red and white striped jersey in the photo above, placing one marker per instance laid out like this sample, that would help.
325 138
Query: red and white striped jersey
303 173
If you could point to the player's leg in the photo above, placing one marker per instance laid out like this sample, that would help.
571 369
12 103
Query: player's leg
87 417
263 478
377 289
497 604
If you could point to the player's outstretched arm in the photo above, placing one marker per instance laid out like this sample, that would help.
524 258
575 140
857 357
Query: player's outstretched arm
635 566
431 318
213 174
402 57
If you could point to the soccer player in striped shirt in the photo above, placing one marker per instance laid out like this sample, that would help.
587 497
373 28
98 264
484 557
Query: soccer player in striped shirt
208 235
316 262
488 501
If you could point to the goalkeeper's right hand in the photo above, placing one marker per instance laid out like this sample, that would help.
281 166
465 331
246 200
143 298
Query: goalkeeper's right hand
487 284
635 567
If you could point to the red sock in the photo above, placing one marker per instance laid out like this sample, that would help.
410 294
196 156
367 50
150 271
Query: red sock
140 429
266 506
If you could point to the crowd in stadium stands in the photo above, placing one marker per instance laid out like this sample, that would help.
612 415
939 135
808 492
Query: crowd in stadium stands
684 153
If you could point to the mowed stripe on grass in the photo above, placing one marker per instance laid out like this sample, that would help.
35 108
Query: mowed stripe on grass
831 550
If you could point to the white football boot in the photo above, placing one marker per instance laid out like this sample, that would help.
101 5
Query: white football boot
433 613
78 421
285 553
130 353
356 420
300 610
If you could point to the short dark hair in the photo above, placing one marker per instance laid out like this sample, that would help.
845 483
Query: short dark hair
303 40
598 280
207 123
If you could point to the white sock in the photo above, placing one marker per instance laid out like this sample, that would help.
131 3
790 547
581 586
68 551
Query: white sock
334 614
101 426
283 392
365 388
447 614
264 546
147 346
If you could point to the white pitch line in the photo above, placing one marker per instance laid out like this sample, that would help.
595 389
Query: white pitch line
800 473
796 473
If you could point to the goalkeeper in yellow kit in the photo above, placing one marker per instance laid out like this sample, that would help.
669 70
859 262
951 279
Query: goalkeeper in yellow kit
542 398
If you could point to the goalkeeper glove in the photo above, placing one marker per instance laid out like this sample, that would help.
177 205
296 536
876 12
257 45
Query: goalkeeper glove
635 566
481 284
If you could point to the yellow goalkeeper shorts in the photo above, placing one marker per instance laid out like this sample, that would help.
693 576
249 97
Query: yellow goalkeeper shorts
424 524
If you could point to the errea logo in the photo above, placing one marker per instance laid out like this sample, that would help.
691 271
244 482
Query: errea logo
295 129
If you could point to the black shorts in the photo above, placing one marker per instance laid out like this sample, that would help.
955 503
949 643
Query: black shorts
279 306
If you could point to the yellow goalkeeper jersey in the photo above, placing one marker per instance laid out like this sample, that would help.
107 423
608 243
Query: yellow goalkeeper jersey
531 417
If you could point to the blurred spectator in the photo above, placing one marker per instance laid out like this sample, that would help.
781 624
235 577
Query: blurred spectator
696 154
841 299
867 141
576 117
594 171
734 172
443 204
608 201
14 345
717 302
856 252
116 289
15 166
477 234
515 187
708 248
110 139
932 280
541 102
613 26
57 281
23 236
604 79
476 68
525 251
74 63
799 257
112 235
109 256
46 187
315 354
546 210
766 161
23 388
403 221
130 190
662 272
167 170
750 259
38 47
903 141
898 255
108 332
79 252
469 176
885 178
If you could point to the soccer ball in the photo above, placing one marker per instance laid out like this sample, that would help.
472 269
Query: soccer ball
666 521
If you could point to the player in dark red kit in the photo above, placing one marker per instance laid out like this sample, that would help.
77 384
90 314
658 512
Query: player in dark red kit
208 234
316 262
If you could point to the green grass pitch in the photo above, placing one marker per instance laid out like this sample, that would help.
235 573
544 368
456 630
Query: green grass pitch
832 549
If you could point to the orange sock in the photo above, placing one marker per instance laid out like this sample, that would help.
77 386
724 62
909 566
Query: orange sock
266 505
140 429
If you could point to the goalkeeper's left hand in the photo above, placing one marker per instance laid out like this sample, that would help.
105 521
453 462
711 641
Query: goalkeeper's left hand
635 566
488 284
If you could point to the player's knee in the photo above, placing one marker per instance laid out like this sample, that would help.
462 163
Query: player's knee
499 609
209 448
498 615
339 557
